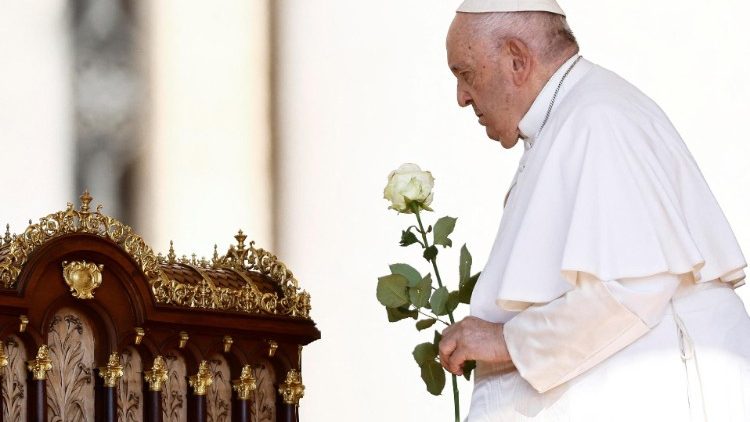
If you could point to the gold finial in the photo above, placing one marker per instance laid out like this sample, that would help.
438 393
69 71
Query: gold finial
112 372
3 356
228 343
23 321
30 222
41 364
85 201
240 237
203 263
292 390
215 258
272 346
139 334
246 384
157 376
193 261
202 380
184 260
171 257
184 337
7 239
82 278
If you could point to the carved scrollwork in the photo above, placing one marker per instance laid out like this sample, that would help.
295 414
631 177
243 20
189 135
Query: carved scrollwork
75 221
205 294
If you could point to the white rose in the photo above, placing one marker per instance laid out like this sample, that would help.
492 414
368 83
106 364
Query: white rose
407 185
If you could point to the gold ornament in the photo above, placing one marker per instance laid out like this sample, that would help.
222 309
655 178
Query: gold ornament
184 337
82 278
228 343
272 347
157 376
41 364
3 356
112 372
202 380
246 384
23 321
292 390
240 259
139 334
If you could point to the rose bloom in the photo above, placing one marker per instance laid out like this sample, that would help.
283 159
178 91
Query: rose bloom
409 185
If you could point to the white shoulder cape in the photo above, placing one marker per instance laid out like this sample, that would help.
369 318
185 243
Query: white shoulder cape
610 189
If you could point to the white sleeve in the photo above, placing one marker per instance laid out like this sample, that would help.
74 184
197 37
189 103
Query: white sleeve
554 342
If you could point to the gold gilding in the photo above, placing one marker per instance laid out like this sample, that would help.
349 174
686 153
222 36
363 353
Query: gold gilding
228 343
41 364
240 258
82 278
3 357
292 390
111 373
184 337
202 380
272 347
139 334
157 376
23 321
246 384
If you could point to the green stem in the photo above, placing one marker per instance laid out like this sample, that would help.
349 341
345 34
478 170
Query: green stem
455 398
433 261
433 316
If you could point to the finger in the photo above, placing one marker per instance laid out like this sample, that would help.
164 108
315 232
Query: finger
446 347
456 361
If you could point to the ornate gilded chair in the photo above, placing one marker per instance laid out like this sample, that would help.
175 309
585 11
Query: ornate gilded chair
95 326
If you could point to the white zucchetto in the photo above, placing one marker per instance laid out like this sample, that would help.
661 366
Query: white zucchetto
488 6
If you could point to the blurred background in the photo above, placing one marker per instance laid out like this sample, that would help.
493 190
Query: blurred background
189 120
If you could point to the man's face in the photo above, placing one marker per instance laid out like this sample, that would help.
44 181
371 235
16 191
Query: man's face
483 70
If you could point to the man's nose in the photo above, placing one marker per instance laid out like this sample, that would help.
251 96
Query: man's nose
463 97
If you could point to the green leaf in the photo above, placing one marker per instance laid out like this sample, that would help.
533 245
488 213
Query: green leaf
443 228
469 366
465 290
439 300
424 324
464 266
408 238
430 253
452 302
424 353
412 276
433 377
420 294
391 291
403 312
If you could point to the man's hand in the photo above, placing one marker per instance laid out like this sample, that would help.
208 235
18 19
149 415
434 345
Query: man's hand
473 339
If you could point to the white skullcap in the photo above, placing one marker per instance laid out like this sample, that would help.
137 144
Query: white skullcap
484 6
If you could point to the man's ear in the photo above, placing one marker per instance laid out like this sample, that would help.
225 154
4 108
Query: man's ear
521 60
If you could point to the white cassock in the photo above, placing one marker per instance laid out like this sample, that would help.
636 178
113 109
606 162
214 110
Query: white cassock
613 270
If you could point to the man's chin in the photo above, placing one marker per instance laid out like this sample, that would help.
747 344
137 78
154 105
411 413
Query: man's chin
496 137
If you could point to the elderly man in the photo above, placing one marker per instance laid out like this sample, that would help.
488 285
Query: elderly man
608 294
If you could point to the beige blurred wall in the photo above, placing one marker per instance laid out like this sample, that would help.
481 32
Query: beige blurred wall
364 87
36 141
207 170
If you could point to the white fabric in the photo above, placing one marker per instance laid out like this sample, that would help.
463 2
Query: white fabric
487 6
647 381
608 188
554 342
